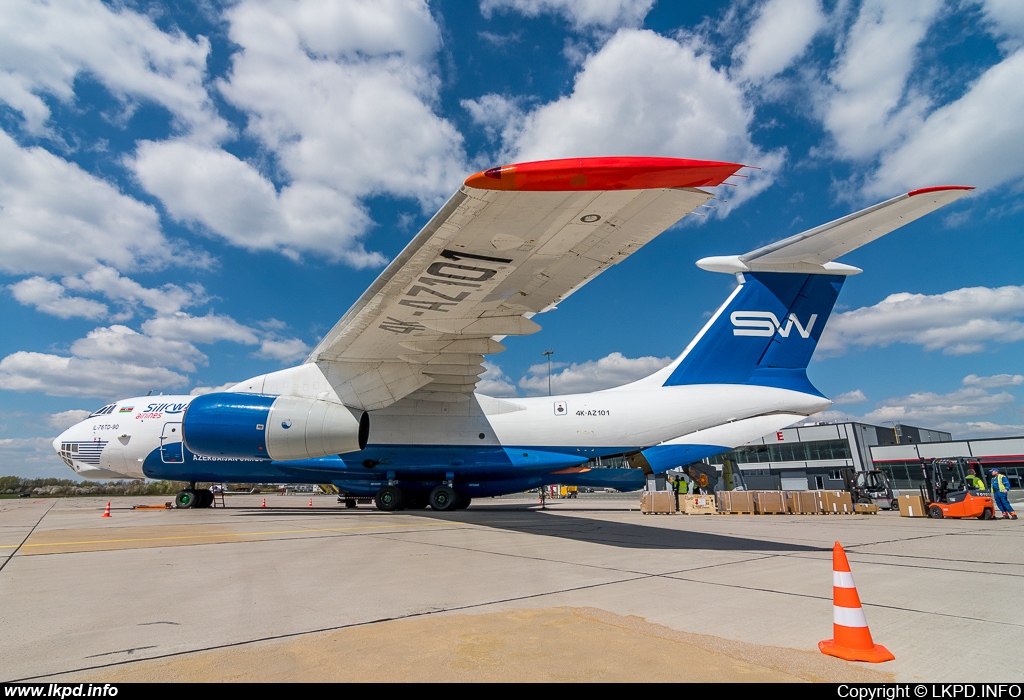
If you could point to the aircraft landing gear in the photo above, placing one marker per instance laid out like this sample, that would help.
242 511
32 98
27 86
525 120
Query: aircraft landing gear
389 498
193 498
186 498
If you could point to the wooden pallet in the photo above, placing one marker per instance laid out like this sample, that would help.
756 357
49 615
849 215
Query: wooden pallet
736 512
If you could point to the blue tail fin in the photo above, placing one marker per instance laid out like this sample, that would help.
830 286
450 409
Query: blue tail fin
764 334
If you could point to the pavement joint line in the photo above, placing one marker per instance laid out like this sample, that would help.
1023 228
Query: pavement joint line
212 535
639 574
863 602
18 548
335 628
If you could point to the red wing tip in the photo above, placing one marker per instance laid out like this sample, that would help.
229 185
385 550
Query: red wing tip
605 173
943 188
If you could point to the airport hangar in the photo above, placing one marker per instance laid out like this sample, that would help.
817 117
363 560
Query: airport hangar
810 457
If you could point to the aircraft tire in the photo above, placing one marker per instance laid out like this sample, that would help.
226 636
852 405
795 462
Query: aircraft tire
462 501
443 498
389 498
204 498
186 498
350 503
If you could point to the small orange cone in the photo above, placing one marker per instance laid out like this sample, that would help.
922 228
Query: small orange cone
311 503
264 502
852 639
106 511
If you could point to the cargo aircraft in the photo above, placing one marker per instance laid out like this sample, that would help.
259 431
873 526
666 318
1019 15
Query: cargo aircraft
385 405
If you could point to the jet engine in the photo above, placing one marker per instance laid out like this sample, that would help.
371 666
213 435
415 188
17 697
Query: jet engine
235 425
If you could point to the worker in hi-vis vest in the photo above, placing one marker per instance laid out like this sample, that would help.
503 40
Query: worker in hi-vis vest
1001 494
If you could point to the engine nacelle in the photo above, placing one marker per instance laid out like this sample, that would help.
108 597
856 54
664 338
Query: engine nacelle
280 427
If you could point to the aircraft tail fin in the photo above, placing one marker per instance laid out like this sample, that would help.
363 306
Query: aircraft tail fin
766 332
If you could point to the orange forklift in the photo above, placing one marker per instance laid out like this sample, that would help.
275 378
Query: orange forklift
955 487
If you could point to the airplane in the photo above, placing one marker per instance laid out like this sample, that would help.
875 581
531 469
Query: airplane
385 404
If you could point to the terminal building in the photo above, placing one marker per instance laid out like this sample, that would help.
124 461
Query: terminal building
812 456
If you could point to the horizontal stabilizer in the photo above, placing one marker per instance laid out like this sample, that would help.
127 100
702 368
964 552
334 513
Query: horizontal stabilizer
813 251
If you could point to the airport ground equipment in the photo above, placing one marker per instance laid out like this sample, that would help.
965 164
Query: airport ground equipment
867 487
947 493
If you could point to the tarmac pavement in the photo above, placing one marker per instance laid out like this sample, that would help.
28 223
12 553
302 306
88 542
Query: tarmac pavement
586 589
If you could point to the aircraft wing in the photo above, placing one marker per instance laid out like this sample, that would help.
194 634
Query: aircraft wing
813 251
511 243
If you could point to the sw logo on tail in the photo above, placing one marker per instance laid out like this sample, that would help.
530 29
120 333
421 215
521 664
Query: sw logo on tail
765 324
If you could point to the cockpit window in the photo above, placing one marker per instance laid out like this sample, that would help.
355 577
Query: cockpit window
104 411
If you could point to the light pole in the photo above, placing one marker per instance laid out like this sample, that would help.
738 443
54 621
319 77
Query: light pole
548 354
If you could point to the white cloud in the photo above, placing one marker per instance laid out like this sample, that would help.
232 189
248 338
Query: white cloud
65 419
958 322
230 198
45 46
928 406
781 33
283 349
494 382
850 397
994 381
982 138
200 390
122 344
343 97
70 376
32 458
868 106
58 219
1006 16
49 297
166 299
200 329
646 94
582 14
610 371
980 428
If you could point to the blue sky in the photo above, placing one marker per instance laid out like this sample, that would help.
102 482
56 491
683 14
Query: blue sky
193 193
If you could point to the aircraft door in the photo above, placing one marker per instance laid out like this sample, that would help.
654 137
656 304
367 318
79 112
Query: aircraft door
170 444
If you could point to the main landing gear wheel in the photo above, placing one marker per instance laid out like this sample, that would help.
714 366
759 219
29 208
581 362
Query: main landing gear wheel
204 499
462 501
389 498
186 499
935 512
444 498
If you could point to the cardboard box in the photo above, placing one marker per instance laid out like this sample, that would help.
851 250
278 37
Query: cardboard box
865 508
657 503
838 503
735 501
835 502
802 502
693 504
912 506
770 502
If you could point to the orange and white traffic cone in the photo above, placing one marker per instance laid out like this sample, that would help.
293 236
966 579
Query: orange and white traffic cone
106 511
851 637
310 502
264 502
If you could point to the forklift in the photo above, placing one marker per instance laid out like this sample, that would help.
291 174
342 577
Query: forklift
955 487
870 487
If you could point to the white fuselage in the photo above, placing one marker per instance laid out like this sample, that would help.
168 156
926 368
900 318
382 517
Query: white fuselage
116 444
